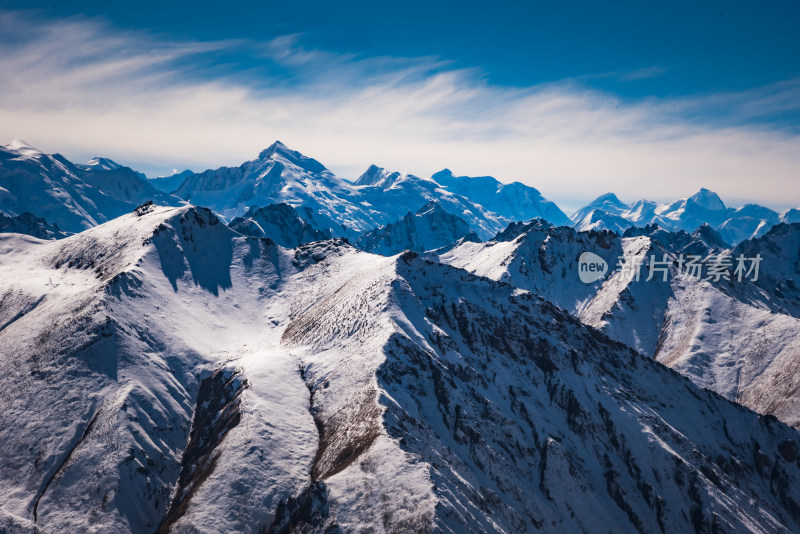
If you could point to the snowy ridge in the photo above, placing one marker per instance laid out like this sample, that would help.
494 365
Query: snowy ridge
513 201
98 163
738 338
163 373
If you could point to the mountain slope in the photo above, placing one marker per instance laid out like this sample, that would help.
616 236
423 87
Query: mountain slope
738 338
278 175
162 373
168 184
391 194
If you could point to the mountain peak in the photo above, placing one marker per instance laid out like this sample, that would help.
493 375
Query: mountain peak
444 173
372 176
104 164
279 150
274 148
608 198
707 199
21 147
710 237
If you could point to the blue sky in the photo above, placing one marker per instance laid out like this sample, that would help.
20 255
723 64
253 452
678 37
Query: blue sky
576 98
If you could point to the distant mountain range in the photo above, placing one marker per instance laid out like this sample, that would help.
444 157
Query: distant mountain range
687 214
79 196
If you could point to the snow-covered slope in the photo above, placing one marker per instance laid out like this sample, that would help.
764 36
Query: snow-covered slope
428 229
28 223
790 216
161 373
607 203
287 226
72 197
715 333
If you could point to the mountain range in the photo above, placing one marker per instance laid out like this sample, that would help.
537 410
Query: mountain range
607 212
391 354
163 373
79 196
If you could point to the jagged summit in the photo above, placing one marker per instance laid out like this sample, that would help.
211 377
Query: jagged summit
378 177
607 198
273 149
710 237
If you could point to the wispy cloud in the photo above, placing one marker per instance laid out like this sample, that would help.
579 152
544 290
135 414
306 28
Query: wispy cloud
82 88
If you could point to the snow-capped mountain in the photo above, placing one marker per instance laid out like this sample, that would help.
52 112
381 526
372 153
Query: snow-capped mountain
98 163
278 175
608 204
282 175
30 224
287 226
72 197
391 195
687 214
429 228
80 196
514 201
161 372
738 338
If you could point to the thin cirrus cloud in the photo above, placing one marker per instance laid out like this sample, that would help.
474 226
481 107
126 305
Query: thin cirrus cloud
83 88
